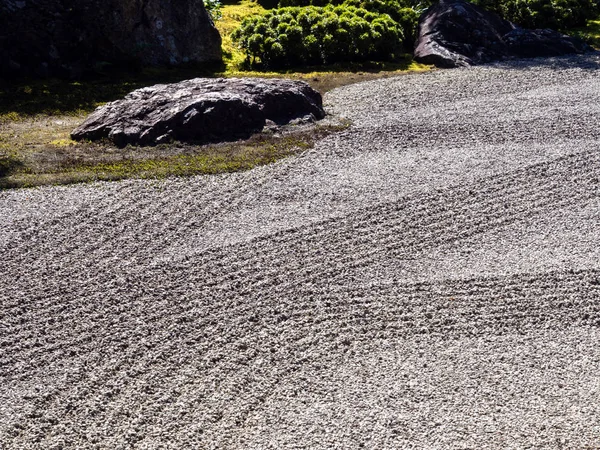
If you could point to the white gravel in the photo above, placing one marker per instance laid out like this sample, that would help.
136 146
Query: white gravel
428 278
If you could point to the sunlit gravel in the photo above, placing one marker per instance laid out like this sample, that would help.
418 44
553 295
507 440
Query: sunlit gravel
427 278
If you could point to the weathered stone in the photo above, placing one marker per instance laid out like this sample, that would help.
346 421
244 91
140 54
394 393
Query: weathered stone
455 33
66 37
202 109
531 43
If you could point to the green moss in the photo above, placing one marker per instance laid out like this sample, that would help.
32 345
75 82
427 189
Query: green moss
76 163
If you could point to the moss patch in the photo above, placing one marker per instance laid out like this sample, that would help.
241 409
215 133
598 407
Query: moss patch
42 162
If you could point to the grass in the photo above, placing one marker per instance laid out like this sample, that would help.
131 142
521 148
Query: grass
590 33
8 165
37 116
44 156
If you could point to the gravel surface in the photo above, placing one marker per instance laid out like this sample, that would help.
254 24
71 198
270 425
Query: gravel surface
427 278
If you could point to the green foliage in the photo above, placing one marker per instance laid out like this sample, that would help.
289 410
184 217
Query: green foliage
392 4
214 9
292 36
404 12
589 33
284 3
407 17
268 4
555 14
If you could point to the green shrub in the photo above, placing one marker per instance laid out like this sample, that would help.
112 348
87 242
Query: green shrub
398 4
292 36
555 14
214 9
404 12
285 3
268 4
406 17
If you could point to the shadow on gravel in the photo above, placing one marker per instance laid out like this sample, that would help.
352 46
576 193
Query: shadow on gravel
588 61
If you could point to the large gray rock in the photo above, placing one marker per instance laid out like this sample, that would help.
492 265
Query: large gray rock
202 109
455 33
66 37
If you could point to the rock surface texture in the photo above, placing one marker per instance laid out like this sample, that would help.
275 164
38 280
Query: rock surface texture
428 278
66 37
455 33
202 109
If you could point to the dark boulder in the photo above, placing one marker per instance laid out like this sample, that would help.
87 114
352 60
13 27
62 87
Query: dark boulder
202 110
67 37
455 33
533 43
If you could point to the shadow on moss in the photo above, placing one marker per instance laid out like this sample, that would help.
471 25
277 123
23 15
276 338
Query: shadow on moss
85 162
590 33
29 97
9 165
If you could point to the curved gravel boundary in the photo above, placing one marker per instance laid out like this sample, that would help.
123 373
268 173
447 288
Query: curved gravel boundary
428 278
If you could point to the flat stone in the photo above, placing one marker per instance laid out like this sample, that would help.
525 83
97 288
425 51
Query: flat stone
201 110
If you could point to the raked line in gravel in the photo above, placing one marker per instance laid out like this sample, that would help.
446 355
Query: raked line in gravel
427 278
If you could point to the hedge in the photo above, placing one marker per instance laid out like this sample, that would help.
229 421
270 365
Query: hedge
402 12
554 14
294 36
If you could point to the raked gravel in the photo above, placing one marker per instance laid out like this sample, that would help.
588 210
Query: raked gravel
427 278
